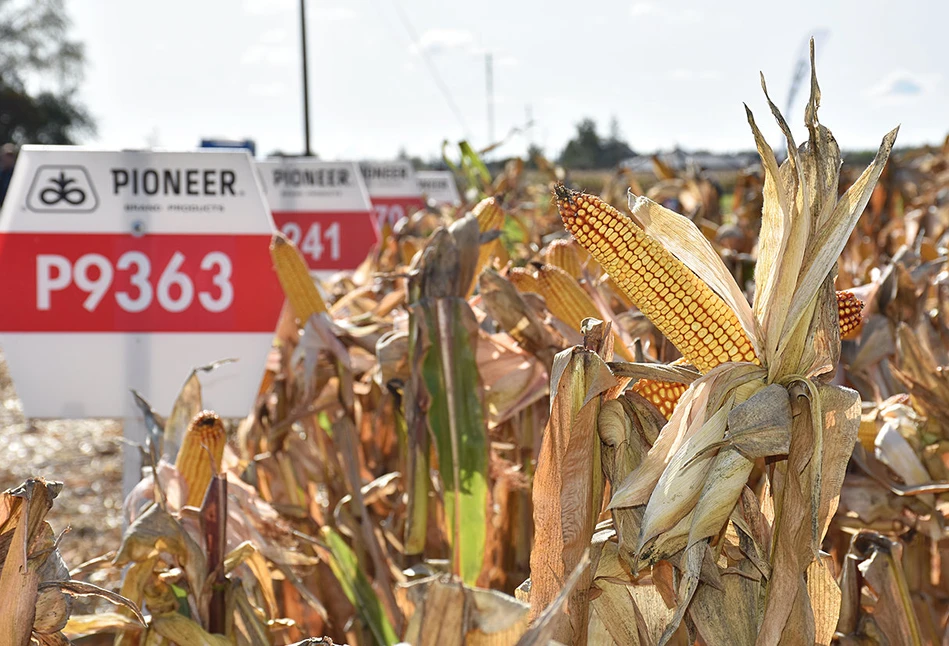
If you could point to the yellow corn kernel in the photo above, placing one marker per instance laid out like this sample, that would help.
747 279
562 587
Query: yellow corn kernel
850 315
563 254
570 303
664 395
694 318
199 458
295 279
524 280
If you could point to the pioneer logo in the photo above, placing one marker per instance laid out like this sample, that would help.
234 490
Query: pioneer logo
62 189
195 182
297 177
384 172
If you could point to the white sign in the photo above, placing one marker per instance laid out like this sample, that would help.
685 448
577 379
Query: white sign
393 189
439 185
124 270
324 208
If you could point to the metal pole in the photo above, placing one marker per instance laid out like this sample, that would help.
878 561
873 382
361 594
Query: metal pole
306 86
489 82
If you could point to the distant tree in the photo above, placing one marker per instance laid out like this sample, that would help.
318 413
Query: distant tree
614 150
40 71
533 151
588 150
582 151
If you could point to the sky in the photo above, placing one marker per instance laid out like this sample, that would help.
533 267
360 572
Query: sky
671 72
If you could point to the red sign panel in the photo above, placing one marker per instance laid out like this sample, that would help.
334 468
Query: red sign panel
108 282
393 209
329 241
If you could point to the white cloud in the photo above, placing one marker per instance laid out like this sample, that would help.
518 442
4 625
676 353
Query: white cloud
267 89
665 13
332 14
435 41
506 61
319 12
266 7
640 9
265 54
902 86
273 36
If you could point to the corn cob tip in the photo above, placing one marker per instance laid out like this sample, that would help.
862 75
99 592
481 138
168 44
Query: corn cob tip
277 240
207 425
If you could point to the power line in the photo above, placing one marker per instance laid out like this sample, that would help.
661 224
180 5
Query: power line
443 88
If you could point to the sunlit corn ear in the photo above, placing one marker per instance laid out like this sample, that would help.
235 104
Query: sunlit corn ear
524 279
295 279
563 254
201 453
696 320
569 302
490 217
804 228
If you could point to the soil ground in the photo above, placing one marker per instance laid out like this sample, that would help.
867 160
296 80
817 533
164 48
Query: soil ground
85 455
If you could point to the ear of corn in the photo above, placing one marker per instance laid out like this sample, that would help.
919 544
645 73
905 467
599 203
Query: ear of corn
570 303
563 254
850 313
295 279
693 317
489 214
524 280
665 394
200 455
490 217
565 298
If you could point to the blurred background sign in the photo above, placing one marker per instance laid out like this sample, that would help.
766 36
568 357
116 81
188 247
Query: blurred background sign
238 144
324 208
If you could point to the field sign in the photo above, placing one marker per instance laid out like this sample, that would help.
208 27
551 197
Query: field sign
439 186
324 208
393 189
124 270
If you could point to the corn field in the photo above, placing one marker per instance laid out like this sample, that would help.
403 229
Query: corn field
539 419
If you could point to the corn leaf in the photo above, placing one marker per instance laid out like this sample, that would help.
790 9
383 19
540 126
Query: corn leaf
357 588
567 489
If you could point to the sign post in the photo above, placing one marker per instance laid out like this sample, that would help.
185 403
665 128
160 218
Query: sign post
393 189
122 270
324 208
439 186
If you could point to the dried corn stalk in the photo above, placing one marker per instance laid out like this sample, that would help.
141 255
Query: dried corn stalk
688 484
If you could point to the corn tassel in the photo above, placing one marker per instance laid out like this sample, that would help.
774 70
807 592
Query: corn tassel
295 279
693 317
570 303
199 458
665 394
563 254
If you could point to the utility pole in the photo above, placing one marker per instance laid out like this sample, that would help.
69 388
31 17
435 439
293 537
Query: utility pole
306 85
489 83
